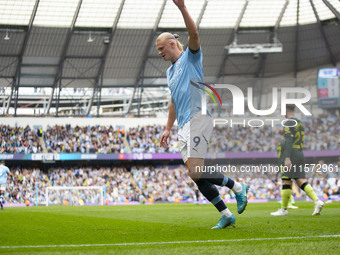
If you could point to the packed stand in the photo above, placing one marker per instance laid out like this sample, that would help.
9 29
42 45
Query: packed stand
244 139
320 134
88 139
146 139
164 183
16 140
118 181
26 182
160 184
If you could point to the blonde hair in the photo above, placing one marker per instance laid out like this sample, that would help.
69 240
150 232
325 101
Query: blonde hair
169 36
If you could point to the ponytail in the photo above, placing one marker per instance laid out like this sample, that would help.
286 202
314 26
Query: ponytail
179 45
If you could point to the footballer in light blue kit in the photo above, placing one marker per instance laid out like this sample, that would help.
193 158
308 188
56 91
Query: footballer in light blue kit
4 171
180 75
195 128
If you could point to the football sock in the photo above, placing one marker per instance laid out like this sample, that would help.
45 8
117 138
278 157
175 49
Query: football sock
2 198
291 199
216 178
211 193
309 191
226 212
220 179
237 188
286 192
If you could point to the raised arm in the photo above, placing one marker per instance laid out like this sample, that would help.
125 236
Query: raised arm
193 40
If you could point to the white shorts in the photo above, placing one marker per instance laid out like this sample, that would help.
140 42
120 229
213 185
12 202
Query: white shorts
195 135
3 187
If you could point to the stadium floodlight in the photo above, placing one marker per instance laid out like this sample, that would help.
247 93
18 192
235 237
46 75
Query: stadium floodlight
254 48
80 195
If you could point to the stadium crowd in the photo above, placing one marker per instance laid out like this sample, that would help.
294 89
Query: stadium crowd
158 183
87 139
32 183
146 140
118 182
320 134
19 140
164 183
239 138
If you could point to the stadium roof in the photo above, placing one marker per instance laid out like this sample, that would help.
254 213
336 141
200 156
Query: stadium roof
111 43
138 14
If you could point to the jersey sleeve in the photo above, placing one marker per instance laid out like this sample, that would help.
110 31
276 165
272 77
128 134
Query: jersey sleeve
195 55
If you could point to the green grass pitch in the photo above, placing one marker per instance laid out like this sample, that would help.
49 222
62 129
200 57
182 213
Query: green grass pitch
168 229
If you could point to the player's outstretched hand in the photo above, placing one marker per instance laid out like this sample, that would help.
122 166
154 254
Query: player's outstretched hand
179 3
164 139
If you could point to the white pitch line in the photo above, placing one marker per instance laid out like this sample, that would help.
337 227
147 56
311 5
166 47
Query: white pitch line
165 243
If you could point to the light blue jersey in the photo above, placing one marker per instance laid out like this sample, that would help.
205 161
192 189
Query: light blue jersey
3 174
186 98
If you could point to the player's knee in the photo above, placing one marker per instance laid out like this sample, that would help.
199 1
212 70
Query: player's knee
300 182
195 173
194 178
286 186
286 182
200 182
303 185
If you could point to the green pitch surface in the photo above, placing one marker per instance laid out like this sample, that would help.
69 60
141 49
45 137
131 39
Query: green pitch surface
168 229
